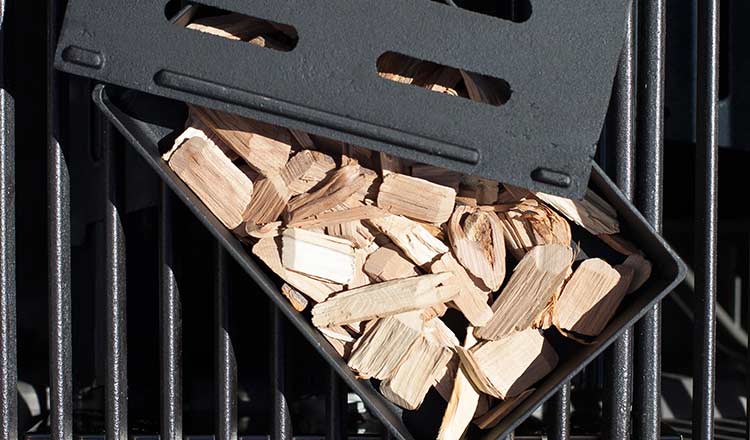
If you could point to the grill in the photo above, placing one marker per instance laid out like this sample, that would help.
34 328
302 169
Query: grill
97 366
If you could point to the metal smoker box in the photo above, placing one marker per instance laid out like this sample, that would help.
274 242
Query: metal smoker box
543 138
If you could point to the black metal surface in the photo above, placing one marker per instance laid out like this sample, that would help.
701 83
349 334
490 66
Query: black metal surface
170 328
558 414
648 197
8 350
116 360
282 425
58 236
225 363
706 218
620 138
560 84
133 113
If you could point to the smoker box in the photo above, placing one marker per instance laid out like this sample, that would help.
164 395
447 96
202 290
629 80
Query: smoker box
150 124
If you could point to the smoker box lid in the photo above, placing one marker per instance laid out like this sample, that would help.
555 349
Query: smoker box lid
560 66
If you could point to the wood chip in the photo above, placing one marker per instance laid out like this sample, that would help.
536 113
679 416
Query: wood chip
384 299
338 216
391 164
334 190
298 300
269 230
359 278
509 366
478 243
484 191
232 26
416 198
535 280
529 223
382 346
472 297
317 255
223 188
389 263
641 271
305 170
413 239
303 139
463 401
269 252
484 89
592 213
195 128
591 297
495 415
437 175
618 243
269 201
416 373
263 146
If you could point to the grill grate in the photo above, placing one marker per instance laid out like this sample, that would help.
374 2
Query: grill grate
631 368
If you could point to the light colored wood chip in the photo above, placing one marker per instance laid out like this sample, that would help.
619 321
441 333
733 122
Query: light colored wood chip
591 297
433 312
359 277
343 348
384 299
529 223
462 403
195 128
477 241
337 217
509 366
298 300
249 172
336 189
472 297
437 175
318 255
619 244
415 241
263 146
416 198
495 415
269 252
484 191
354 231
411 381
269 200
337 332
305 170
269 230
388 263
592 213
535 280
641 270
223 188
383 344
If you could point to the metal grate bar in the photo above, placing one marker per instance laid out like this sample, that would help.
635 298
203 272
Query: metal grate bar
58 233
559 414
8 368
621 137
334 405
282 424
170 326
706 219
226 364
116 359
650 161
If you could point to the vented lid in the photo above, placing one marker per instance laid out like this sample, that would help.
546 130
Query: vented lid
558 66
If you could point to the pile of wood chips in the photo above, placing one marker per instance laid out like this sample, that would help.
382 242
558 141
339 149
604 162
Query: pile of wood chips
377 249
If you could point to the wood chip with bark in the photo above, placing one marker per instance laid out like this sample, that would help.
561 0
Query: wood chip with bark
509 366
263 146
318 255
472 297
416 198
268 250
591 297
534 282
529 223
384 299
477 241
592 213
209 173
